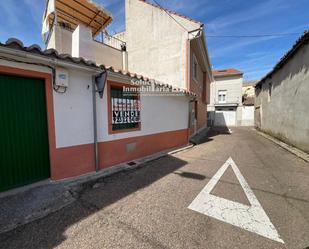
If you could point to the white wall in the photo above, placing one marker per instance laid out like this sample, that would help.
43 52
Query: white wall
61 40
73 114
81 44
73 111
155 116
247 116
108 56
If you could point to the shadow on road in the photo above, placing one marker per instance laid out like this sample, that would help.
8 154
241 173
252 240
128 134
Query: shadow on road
190 175
214 131
50 231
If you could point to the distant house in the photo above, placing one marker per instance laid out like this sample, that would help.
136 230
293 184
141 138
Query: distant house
282 102
225 107
248 88
248 98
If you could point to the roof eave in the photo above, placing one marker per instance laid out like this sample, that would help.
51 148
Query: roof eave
230 74
299 43
203 47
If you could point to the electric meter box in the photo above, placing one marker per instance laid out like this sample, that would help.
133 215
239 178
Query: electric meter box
62 77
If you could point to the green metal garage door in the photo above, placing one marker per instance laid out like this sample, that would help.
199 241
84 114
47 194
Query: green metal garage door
24 153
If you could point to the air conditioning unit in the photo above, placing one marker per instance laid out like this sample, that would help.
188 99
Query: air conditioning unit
62 77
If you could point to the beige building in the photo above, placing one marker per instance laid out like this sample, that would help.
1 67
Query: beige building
281 106
171 48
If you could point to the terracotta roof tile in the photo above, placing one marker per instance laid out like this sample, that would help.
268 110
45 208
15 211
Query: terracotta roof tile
228 71
16 44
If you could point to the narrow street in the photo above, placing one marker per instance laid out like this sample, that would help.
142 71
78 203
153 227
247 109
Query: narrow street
148 207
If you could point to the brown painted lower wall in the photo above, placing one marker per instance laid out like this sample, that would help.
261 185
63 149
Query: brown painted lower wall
79 160
72 161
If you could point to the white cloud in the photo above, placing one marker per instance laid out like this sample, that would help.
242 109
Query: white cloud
254 13
237 44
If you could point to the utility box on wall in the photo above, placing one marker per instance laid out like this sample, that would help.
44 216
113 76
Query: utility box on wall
62 77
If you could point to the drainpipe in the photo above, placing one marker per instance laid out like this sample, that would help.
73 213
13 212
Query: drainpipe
95 126
190 115
98 85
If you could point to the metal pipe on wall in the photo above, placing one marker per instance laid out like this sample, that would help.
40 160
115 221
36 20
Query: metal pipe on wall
95 127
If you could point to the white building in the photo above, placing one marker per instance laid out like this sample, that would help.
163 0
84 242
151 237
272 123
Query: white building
76 28
62 128
225 107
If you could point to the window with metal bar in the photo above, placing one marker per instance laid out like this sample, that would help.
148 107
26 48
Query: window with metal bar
125 110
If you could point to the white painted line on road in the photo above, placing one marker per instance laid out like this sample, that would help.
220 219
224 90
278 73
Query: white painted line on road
251 218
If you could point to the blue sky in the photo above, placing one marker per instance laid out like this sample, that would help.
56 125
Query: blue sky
255 56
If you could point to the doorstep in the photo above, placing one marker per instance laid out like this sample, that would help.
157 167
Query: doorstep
26 204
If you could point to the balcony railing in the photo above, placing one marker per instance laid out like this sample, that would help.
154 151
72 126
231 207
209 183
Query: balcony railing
111 41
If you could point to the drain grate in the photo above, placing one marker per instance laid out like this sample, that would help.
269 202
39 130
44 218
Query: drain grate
131 163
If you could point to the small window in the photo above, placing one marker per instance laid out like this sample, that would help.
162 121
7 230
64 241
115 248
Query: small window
222 96
125 110
195 67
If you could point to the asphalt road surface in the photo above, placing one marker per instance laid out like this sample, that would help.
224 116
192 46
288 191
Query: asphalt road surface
192 199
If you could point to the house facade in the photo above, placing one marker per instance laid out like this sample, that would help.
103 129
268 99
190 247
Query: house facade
170 48
88 112
157 43
282 101
55 125
225 106
248 99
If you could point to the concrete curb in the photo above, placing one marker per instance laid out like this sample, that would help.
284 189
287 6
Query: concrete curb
299 153
24 205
